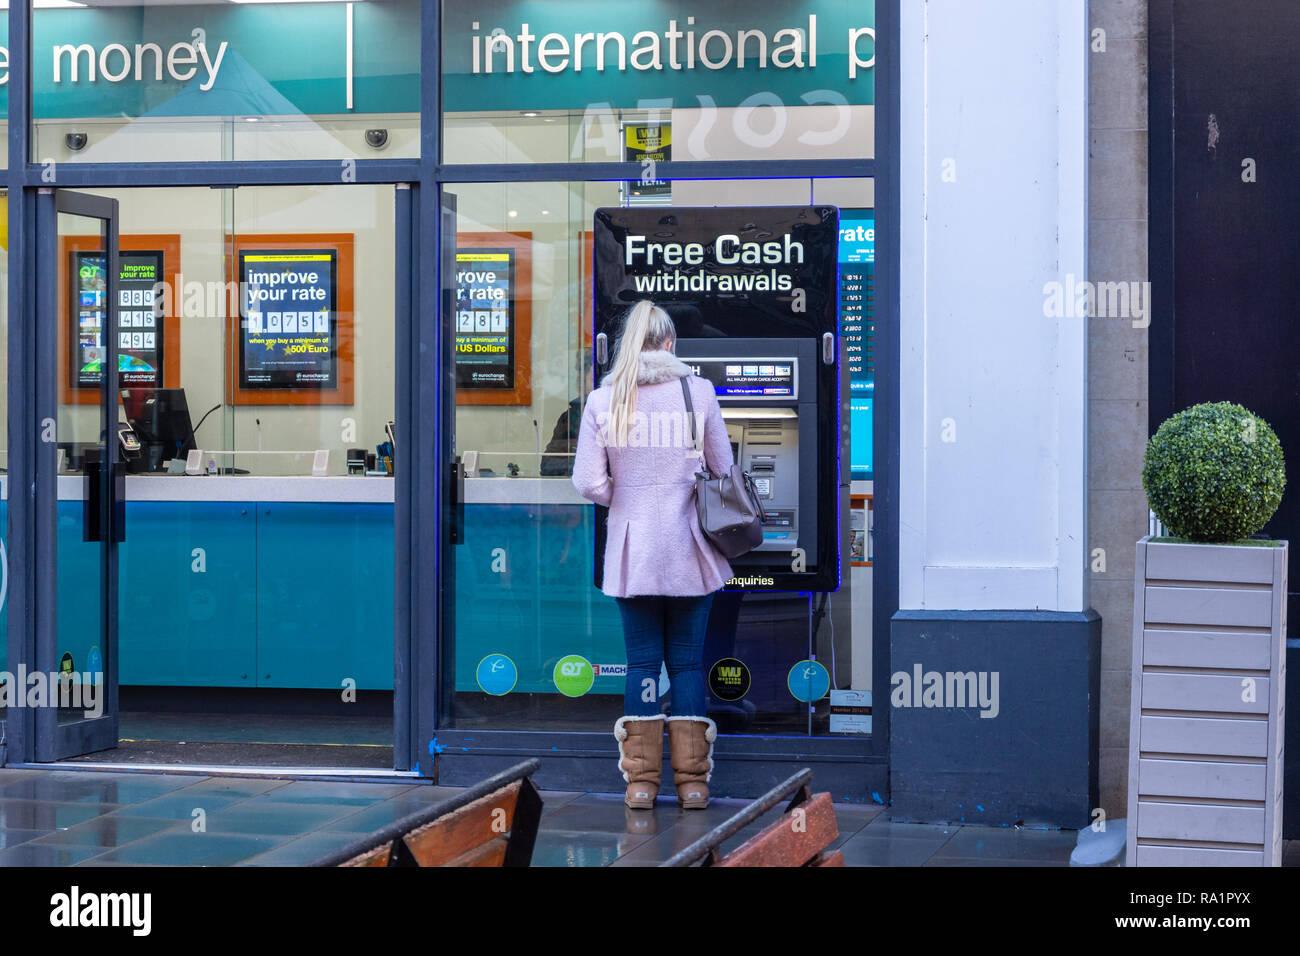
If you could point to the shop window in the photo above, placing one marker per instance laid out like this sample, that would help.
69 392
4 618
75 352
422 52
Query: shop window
589 81
256 351
533 642
180 82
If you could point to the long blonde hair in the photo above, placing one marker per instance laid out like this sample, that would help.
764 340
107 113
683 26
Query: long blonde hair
646 327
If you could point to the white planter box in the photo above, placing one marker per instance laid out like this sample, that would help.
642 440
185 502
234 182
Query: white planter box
1209 682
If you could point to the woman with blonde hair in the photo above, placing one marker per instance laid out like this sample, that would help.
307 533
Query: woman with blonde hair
636 456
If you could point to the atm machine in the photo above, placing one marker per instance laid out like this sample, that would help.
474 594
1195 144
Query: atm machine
773 427
753 294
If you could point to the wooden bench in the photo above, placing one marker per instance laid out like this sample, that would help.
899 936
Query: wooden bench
799 838
491 824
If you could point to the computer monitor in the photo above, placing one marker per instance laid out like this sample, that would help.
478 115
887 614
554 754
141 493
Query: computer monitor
161 419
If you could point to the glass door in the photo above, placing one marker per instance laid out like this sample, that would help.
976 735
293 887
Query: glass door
79 501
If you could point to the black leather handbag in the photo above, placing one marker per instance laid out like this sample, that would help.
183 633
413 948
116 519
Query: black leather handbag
730 512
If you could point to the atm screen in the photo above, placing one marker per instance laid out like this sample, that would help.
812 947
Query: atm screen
752 378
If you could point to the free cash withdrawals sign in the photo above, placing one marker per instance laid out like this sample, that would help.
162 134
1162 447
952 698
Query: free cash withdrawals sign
739 271
485 318
289 319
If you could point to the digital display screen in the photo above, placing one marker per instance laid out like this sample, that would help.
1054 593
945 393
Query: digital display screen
753 378
135 318
485 318
857 267
288 318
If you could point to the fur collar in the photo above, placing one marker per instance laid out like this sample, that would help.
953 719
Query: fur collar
655 366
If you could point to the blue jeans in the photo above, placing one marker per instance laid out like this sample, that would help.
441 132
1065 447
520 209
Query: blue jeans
659 630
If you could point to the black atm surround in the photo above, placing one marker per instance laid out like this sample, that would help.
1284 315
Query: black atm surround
759 325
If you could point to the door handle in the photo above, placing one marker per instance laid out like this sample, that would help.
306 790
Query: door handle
456 499
92 525
602 349
119 501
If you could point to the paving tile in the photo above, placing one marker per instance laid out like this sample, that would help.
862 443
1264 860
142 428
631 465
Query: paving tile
850 818
65 786
864 850
571 848
107 831
610 818
301 851
882 826
988 861
674 839
1040 846
184 848
273 819
31 854
330 791
8 776
178 806
367 819
235 786
46 815
12 838
554 799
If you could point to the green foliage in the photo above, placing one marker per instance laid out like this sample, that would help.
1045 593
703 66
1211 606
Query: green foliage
1214 472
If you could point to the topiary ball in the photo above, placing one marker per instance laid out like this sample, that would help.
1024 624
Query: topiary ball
1214 472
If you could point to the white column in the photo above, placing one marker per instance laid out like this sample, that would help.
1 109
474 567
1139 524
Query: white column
993 192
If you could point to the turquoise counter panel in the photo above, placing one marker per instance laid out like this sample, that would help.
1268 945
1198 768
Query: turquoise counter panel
80 568
301 595
280 595
325 595
523 589
189 592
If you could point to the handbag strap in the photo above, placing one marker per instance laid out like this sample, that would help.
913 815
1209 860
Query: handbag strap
690 410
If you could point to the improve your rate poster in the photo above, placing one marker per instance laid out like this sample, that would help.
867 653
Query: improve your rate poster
289 326
485 320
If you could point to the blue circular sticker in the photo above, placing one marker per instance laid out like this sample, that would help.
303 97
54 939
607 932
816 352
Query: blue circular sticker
808 681
497 675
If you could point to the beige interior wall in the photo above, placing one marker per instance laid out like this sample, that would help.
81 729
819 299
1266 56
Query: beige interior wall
203 218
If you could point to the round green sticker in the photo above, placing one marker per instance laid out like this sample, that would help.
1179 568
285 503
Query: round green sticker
573 675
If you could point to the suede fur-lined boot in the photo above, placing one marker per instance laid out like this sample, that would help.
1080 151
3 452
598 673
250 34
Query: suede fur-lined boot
690 746
640 757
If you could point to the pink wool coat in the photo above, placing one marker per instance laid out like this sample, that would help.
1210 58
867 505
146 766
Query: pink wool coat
654 544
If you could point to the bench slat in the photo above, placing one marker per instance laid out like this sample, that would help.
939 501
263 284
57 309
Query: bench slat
492 853
784 844
446 838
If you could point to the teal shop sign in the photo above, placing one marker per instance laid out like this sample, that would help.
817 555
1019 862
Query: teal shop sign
228 60
571 54
317 58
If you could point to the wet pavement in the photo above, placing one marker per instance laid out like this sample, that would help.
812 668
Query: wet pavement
98 818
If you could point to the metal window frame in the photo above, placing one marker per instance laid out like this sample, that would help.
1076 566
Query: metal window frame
423 388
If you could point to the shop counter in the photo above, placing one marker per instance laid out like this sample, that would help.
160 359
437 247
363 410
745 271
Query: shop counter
287 582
